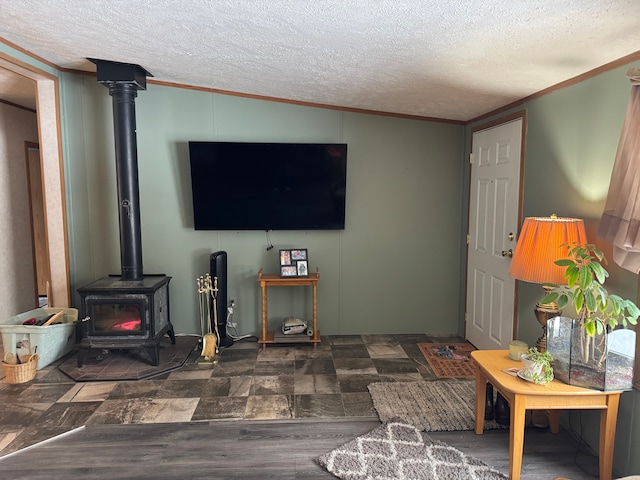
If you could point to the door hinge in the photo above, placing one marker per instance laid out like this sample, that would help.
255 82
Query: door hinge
471 158
468 239
466 317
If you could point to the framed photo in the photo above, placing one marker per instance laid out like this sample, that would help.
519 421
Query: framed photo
303 268
288 271
285 257
298 254
294 262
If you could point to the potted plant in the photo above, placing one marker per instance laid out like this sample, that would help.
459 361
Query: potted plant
583 355
536 366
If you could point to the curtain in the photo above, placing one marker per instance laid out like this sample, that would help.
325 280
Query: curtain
620 222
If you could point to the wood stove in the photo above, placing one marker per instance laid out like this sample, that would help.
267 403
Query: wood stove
130 310
125 314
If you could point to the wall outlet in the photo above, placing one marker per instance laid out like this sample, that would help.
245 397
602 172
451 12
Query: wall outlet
232 306
231 309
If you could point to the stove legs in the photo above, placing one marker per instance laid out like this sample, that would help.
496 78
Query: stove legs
153 350
154 353
81 354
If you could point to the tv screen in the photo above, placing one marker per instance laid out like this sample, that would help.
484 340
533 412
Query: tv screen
268 186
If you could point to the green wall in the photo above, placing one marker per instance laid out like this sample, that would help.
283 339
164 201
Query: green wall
394 269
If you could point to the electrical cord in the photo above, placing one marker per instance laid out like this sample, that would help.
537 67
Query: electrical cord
269 244
235 336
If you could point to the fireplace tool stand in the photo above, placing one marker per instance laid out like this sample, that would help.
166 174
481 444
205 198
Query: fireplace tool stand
207 299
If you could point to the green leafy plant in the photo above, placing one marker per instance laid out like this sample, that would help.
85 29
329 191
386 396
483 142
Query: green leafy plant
598 310
543 359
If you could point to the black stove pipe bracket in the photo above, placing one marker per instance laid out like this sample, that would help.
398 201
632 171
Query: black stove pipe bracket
108 72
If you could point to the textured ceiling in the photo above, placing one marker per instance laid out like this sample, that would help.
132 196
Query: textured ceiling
434 58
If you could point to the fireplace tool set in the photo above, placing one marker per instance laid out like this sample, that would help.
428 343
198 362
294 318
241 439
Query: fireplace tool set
208 300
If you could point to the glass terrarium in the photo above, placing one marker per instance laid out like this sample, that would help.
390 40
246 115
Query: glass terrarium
603 362
559 346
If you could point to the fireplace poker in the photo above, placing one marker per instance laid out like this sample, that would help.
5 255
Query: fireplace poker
214 295
200 284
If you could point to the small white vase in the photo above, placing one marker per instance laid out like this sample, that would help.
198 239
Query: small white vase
530 368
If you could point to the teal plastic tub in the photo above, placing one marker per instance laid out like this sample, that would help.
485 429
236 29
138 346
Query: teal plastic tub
50 343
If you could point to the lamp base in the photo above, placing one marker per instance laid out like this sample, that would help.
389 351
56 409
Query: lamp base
545 311
541 343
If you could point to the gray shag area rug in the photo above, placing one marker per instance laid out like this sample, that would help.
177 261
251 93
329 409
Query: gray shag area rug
437 406
397 450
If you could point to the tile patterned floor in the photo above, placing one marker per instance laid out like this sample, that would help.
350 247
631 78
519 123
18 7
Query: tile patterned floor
247 382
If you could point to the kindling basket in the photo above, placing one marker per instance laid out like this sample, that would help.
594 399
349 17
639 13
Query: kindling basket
20 372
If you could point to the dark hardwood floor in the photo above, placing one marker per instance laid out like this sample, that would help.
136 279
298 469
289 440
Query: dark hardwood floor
259 449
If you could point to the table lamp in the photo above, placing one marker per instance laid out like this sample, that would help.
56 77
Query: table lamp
542 241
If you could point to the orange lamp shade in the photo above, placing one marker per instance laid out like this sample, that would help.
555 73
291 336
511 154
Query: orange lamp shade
542 241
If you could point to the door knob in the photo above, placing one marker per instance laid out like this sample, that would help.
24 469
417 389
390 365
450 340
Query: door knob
507 253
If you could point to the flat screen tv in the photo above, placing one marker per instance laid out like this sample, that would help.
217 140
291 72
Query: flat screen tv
268 186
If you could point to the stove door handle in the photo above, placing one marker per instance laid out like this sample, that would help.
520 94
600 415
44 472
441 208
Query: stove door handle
82 330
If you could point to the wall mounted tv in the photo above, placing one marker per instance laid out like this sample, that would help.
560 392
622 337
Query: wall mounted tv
268 186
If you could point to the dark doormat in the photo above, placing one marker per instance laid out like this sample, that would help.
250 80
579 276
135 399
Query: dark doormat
129 364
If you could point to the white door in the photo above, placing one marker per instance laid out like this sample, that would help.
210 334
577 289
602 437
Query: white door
494 206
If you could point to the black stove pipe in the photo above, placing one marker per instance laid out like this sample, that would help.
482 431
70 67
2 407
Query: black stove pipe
123 81
124 124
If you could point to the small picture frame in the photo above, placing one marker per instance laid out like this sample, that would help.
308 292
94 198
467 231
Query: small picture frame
294 262
303 268
288 271
285 257
298 254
